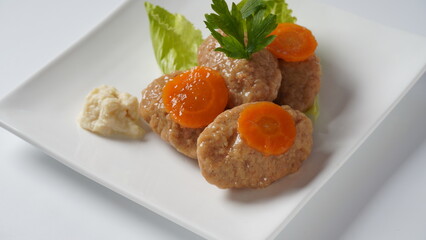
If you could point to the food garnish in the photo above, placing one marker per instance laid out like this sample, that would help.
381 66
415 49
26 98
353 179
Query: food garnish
267 127
293 43
314 111
277 7
175 40
194 98
243 31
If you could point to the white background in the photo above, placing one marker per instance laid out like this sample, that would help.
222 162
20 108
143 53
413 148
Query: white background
42 199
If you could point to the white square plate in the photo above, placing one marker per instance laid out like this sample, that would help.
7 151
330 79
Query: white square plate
367 68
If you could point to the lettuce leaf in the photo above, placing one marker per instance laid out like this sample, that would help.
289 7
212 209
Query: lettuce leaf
280 8
277 7
314 111
175 40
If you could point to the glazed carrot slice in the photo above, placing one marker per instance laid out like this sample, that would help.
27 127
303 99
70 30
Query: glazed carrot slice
267 127
293 43
194 98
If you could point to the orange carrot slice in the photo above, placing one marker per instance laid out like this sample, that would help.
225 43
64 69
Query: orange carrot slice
267 127
293 43
194 98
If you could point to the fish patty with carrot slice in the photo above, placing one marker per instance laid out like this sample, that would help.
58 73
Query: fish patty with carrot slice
295 46
152 110
178 106
259 154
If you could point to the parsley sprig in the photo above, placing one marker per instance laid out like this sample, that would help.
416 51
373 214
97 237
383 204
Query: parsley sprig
245 29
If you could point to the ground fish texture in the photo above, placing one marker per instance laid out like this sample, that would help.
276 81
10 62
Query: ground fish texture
300 83
227 162
257 79
152 110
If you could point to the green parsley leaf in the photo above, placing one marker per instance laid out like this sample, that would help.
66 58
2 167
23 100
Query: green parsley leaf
247 21
251 7
258 29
